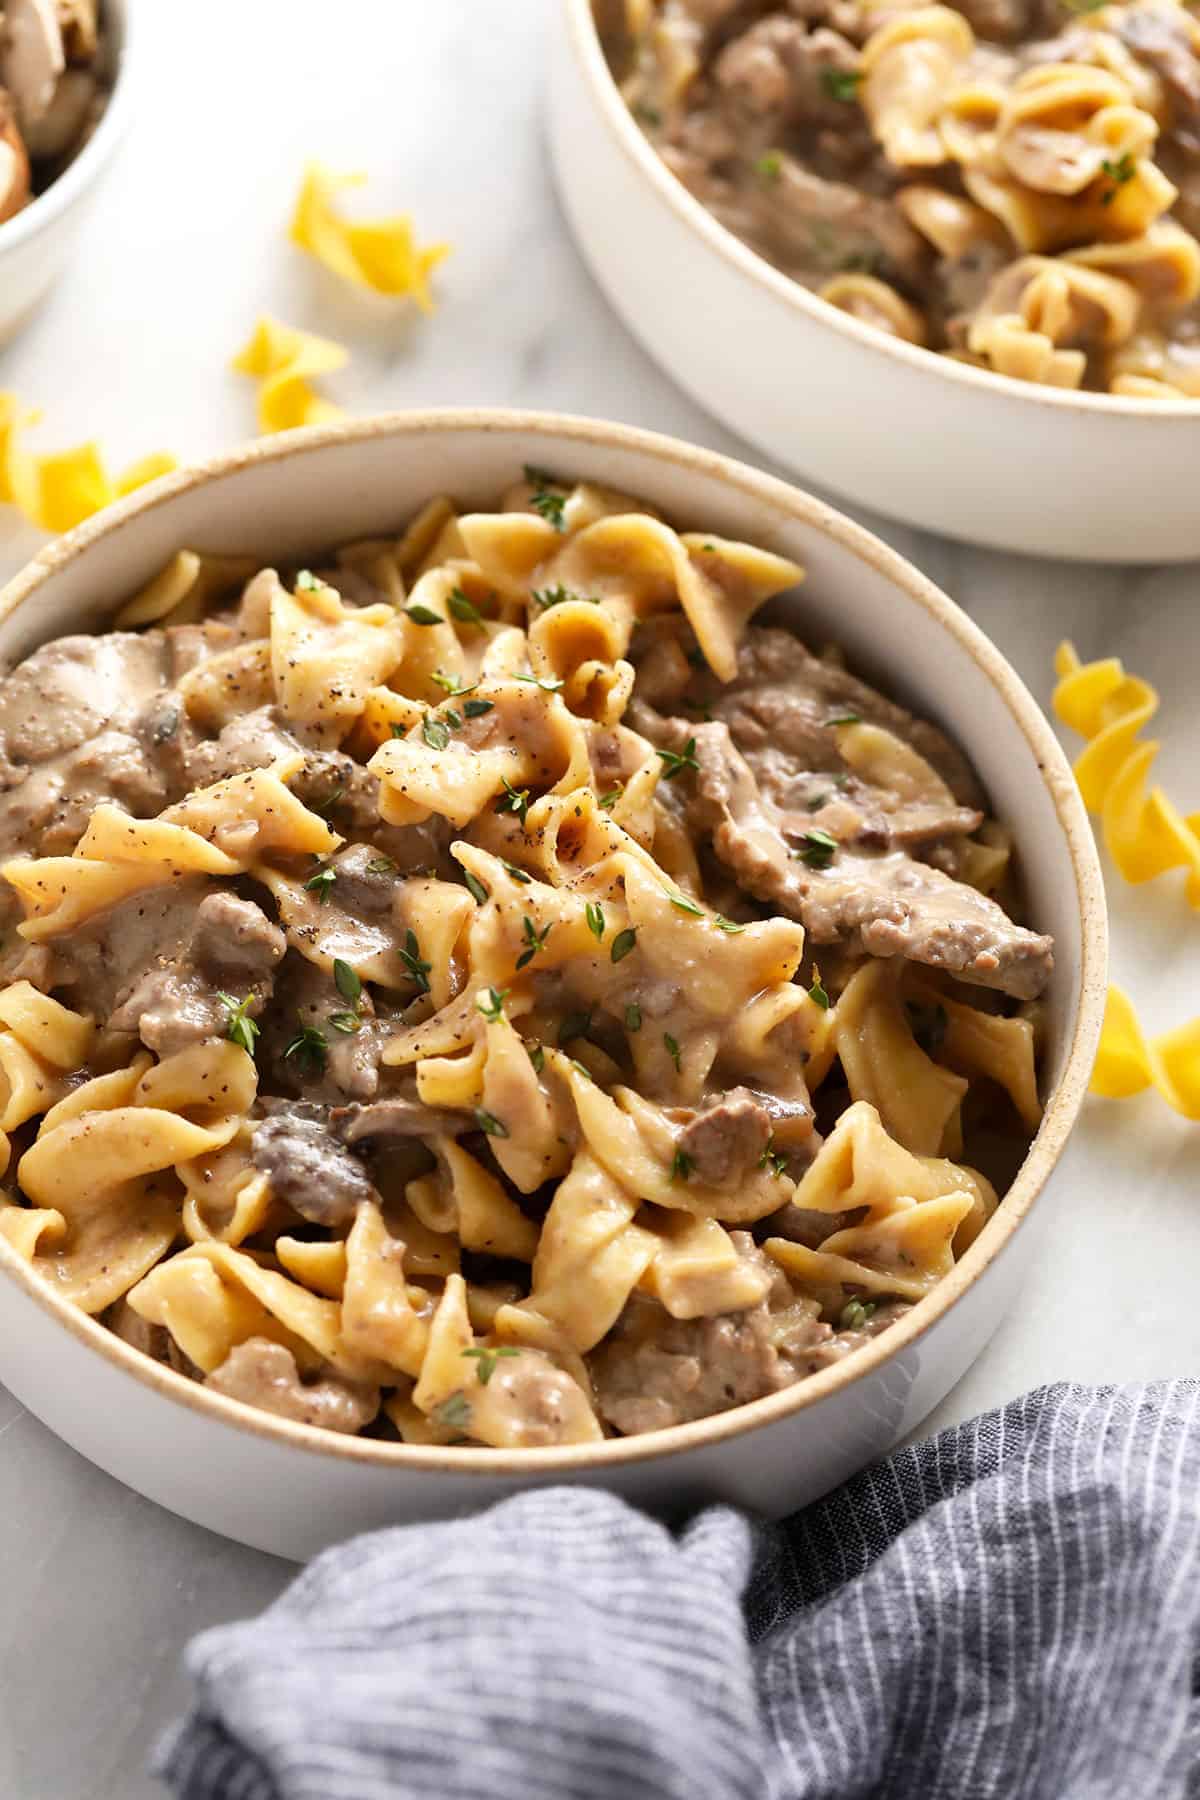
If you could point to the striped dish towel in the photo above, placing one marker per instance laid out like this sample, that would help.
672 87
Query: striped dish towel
1009 1610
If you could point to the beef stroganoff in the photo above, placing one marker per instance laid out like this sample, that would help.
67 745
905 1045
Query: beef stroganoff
1015 183
490 989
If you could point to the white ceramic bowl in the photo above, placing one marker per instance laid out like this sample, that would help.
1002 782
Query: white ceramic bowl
921 438
36 243
289 1488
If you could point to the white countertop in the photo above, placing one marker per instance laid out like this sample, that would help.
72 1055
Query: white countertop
441 104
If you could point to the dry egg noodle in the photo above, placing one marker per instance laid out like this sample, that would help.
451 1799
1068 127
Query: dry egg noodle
491 989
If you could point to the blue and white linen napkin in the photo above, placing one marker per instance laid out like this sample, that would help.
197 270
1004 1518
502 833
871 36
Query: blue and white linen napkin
1010 1611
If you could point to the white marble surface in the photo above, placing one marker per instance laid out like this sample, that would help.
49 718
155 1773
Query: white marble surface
441 104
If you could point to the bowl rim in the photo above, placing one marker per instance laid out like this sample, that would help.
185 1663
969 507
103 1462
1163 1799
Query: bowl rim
42 212
584 43
561 432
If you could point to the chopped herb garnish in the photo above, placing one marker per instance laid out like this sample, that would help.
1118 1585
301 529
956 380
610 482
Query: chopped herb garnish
397 730
681 1165
623 943
519 875
542 500
1084 6
451 685
423 615
841 84
819 848
410 956
453 719
647 115
1119 172
381 865
347 1022
817 992
487 1357
454 1412
549 683
240 1028
576 1024
491 1003
729 926
581 1069
815 802
773 1159
558 595
475 888
673 762
435 733
347 980
711 548
844 718
321 883
537 1057
306 581
535 940
769 165
594 914
856 1312
327 805
673 1051
684 905
514 800
308 1046
462 609
488 1122
475 709
609 800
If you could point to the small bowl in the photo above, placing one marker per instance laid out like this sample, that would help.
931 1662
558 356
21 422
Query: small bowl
290 1488
35 244
915 435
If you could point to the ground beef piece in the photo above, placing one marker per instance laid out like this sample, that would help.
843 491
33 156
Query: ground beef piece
264 1374
726 1141
309 1170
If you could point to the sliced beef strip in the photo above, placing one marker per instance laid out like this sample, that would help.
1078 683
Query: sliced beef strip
396 1116
231 948
725 1142
653 1371
308 1169
306 997
264 1374
887 902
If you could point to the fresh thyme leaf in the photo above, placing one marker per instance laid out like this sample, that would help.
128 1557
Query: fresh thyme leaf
537 1057
1119 172
684 905
773 1159
423 615
815 802
623 943
673 1051
844 718
549 684
450 684
817 993
475 888
462 609
381 865
841 84
681 1165
542 500
397 730
308 1046
491 1003
576 1024
475 709
410 956
348 981
347 1022
558 595
321 883
729 926
453 719
581 1069
673 761
487 1356
609 800
647 115
327 806
306 581
856 1312
240 1028
435 733
522 876
535 940
454 1412
819 848
769 165
633 1016
594 914
514 800
488 1122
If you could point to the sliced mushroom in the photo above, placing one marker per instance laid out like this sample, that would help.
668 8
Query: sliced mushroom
65 121
31 57
14 167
